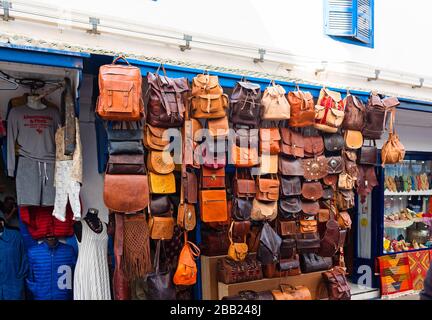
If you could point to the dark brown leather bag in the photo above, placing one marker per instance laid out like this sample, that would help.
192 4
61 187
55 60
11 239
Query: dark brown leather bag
312 190
121 287
212 178
245 104
345 199
335 165
230 271
290 186
307 242
302 109
249 295
240 230
291 167
161 205
267 189
354 113
287 228
292 143
315 168
243 184
366 181
310 208
333 142
167 100
331 180
368 154
313 146
241 209
126 164
330 242
269 246
214 242
375 118
337 284
311 262
289 208
328 193
284 268
190 187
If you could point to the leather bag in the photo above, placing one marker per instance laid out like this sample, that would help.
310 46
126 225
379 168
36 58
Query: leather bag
366 181
186 216
368 154
308 226
263 210
161 228
337 284
245 104
330 241
161 205
268 164
344 220
310 208
345 199
190 186
243 185
288 292
121 289
230 271
355 110
214 242
393 151
160 162
186 273
290 186
218 127
126 192
292 143
291 167
287 229
213 205
315 168
166 100
307 242
249 295
162 183
275 105
244 157
329 111
159 284
156 138
313 146
353 139
210 154
269 246
331 180
120 92
208 100
328 193
237 251
212 178
375 118
323 215
241 209
346 182
302 109
312 190
269 141
311 262
267 189
126 164
289 208
125 141
335 165
333 142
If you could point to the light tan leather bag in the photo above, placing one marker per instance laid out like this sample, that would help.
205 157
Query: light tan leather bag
208 100
288 292
275 105
262 211
329 111
154 138
161 228
393 151
162 183
353 139
160 162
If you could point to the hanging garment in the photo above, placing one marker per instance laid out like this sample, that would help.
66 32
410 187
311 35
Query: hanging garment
51 271
68 176
13 265
41 223
91 278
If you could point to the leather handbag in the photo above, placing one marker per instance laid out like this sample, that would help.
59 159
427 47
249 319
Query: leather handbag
344 220
346 182
212 178
311 262
263 210
230 271
330 241
323 215
292 143
302 109
308 226
312 190
288 249
345 199
249 295
291 167
288 292
275 105
218 127
166 100
268 164
162 183
243 185
310 208
335 165
331 180
329 111
290 186
186 216
245 104
126 164
337 284
313 146
241 209
253 237
269 141
328 193
284 268
267 189
307 242
289 208
156 138
315 168
353 139
244 157
213 205
160 162
351 169
161 205
125 141
190 186
214 242
126 192
240 230
355 110
159 284
192 133
121 289
161 227
186 272
237 251
247 137
120 92
393 151
269 246
374 118
333 142
208 100
287 229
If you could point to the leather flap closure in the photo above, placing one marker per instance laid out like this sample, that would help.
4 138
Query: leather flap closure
290 205
291 167
376 101
308 223
290 186
118 85
209 196
250 86
312 190
268 185
334 142
245 186
337 113
275 91
126 159
206 82
310 207
336 96
390 102
212 172
335 165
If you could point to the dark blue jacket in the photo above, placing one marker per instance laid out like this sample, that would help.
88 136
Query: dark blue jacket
51 271
13 265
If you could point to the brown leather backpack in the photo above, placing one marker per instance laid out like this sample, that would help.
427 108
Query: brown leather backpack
376 115
120 92
302 109
166 100
245 102
208 100
354 113
393 151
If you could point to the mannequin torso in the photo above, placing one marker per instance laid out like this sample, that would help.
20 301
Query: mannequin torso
92 220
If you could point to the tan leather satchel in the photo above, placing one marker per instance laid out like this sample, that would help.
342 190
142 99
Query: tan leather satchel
288 292
308 226
302 109
263 211
186 216
208 100
329 111
275 105
269 140
346 182
154 138
292 143
344 220
353 139
393 151
120 92
267 189
269 164
160 162
126 192
161 228
244 157
162 183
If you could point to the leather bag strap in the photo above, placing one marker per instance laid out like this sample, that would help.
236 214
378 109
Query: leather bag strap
120 58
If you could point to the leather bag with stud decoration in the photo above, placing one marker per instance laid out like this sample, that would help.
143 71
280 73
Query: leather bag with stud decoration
315 168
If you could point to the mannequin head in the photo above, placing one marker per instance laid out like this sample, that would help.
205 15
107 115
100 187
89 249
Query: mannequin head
35 103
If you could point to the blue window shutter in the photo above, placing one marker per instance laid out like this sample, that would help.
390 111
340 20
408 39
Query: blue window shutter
339 18
364 21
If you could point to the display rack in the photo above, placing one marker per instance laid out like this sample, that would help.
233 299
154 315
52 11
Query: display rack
408 194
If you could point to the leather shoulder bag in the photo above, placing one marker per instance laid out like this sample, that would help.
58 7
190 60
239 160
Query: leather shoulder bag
290 186
156 138
338 287
263 210
162 183
186 273
291 167
267 189
312 190
243 184
354 113
241 209
126 164
329 111
237 251
393 151
269 141
313 146
368 154
269 246
333 142
315 168
160 162
374 119
289 208
330 242
212 178
213 205
292 143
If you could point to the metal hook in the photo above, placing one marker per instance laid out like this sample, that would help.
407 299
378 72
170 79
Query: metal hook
187 38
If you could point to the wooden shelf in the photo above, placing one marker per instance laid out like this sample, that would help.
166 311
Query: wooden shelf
408 194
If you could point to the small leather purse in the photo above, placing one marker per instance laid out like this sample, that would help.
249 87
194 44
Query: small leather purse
313 146
244 185
353 139
368 154
290 186
126 164
335 165
312 190
344 220
162 183
212 178
263 210
291 167
346 182
333 142
308 226
237 251
161 205
289 208
241 209
160 228
186 216
155 138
